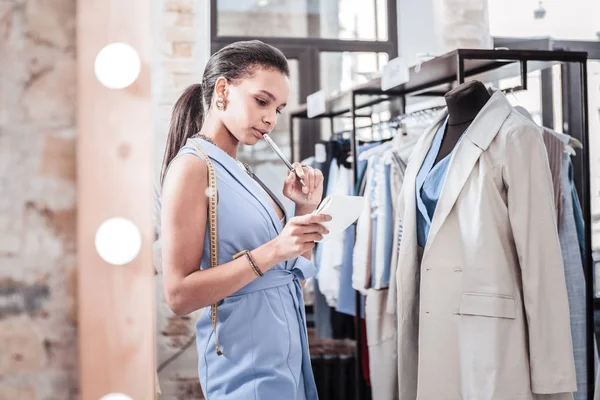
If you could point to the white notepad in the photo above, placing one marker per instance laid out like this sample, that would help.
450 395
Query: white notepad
344 211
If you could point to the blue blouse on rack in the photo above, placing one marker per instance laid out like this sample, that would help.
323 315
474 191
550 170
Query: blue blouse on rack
429 182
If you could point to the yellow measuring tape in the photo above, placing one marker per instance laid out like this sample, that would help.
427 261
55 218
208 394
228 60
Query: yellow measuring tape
212 226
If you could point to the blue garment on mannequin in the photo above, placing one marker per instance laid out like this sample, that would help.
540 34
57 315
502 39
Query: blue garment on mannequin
429 183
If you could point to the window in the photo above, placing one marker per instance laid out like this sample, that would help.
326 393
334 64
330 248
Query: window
334 44
341 71
328 19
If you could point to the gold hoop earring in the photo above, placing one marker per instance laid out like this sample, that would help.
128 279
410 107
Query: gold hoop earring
221 104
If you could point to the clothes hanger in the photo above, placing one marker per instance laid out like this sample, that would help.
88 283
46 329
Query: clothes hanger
576 144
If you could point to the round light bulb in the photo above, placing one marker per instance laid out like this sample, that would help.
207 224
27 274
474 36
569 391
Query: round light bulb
116 396
118 241
117 65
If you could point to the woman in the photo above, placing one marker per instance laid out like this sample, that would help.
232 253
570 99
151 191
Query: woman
260 326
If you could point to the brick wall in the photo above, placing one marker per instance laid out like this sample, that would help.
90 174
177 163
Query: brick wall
38 335
38 342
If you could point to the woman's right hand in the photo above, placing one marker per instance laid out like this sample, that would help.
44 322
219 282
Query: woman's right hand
299 235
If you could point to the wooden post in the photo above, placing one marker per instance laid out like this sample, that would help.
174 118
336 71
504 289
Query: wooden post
116 310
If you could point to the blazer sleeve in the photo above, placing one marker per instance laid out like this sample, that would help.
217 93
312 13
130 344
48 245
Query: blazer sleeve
533 221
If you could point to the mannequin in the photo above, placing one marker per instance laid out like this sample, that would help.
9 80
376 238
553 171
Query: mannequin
464 103
482 329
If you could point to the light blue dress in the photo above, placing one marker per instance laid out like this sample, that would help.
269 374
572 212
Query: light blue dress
261 328
429 183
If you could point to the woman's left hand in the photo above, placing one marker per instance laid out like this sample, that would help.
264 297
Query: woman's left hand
308 197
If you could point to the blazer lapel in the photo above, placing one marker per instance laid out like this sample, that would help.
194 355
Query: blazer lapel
250 185
408 269
409 235
475 140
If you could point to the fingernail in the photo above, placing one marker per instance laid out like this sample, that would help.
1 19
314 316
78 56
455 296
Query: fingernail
329 217
300 172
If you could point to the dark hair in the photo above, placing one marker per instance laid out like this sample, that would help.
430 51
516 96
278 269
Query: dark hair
235 61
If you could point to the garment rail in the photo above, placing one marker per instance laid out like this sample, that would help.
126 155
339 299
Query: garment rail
437 76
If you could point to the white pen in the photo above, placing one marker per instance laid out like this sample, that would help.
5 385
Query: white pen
271 143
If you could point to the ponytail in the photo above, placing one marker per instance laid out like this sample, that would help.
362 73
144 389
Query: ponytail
186 121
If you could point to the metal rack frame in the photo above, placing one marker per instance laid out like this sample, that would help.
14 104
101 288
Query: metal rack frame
436 77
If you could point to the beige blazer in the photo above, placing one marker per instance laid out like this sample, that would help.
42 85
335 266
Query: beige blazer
484 315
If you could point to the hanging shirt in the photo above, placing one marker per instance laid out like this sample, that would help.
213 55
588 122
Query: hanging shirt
574 278
365 229
429 182
382 220
347 296
375 227
332 249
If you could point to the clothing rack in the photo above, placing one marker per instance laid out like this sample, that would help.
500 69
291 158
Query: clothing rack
428 112
436 77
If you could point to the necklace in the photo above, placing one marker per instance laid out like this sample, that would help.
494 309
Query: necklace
243 165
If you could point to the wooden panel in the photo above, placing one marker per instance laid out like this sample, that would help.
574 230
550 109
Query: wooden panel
114 178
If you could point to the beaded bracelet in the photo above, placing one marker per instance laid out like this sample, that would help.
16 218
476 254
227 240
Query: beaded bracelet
255 268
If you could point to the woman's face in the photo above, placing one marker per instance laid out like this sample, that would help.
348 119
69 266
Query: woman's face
254 103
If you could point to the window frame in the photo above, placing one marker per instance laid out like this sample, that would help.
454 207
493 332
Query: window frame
307 52
389 46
